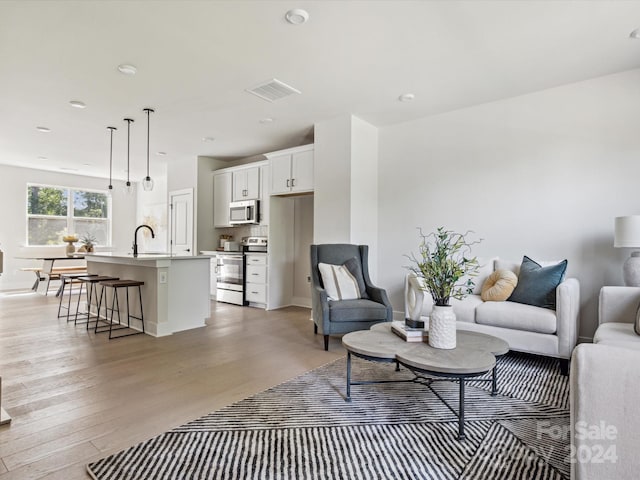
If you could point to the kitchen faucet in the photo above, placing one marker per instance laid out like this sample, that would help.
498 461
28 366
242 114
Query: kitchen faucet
135 238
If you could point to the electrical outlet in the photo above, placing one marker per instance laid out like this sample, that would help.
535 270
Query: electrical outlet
163 277
308 279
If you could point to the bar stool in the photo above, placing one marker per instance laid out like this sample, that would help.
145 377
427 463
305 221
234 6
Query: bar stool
115 306
69 279
92 294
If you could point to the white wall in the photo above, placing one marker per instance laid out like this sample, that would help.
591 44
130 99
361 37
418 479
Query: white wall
541 175
346 184
13 222
364 189
332 179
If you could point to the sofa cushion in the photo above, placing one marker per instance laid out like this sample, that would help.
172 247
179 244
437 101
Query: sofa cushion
358 310
465 309
537 284
618 334
517 316
499 286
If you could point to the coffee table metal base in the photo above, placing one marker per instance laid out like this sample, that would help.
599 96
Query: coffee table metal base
428 381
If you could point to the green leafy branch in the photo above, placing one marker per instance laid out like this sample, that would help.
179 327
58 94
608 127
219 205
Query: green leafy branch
445 265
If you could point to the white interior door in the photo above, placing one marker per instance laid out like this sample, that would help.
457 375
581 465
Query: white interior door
181 206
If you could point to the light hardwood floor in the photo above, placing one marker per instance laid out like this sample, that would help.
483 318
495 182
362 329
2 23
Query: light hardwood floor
76 397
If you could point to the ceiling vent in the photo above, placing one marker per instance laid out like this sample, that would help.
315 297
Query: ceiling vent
273 90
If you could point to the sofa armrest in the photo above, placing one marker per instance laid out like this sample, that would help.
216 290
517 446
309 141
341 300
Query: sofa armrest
605 393
618 304
568 316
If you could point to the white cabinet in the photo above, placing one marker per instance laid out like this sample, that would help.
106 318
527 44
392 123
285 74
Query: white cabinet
256 279
291 171
246 184
221 199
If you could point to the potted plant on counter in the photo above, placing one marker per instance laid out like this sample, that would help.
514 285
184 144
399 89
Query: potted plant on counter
445 268
88 241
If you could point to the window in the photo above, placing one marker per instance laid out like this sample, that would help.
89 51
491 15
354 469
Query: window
53 212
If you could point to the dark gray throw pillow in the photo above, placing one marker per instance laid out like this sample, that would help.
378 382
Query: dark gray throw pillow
353 265
537 284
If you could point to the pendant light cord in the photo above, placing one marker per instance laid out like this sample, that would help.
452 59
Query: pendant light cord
128 120
148 110
111 129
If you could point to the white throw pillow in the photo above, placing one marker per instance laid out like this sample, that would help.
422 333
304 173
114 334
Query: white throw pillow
339 282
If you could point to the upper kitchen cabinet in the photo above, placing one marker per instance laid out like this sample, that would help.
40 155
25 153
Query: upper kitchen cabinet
221 199
246 184
291 170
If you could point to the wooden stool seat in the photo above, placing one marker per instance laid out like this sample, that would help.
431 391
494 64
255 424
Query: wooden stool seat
121 283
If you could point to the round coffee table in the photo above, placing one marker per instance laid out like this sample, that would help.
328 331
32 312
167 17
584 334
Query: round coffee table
475 354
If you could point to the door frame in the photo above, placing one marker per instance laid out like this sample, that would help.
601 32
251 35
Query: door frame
171 195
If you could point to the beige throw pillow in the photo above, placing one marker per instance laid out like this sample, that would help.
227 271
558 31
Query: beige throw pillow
499 286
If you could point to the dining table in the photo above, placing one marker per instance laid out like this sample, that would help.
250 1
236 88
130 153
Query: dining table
48 270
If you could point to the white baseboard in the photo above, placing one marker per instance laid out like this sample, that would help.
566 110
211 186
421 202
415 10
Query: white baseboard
301 302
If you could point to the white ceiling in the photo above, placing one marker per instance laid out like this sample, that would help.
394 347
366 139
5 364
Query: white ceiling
196 58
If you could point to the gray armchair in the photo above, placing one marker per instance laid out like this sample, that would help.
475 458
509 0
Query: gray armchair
343 316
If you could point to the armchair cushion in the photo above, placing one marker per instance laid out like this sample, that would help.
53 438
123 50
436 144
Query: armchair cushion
339 282
360 310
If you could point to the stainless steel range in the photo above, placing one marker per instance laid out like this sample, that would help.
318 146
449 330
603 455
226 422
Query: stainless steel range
231 268
230 277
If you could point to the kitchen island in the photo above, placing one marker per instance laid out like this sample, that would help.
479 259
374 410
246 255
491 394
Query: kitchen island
175 295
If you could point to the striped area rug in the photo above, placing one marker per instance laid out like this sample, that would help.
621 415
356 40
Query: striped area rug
303 429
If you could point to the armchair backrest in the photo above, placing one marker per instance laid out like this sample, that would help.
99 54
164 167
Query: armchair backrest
337 254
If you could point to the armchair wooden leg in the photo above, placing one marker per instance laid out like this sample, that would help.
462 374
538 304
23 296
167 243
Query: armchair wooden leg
564 366
315 329
326 343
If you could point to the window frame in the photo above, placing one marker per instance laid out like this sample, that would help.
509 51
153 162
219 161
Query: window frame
70 218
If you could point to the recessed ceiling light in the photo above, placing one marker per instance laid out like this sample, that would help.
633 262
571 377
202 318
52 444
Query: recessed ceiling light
86 164
635 34
161 154
297 16
266 120
127 69
406 97
208 139
42 158
43 129
77 104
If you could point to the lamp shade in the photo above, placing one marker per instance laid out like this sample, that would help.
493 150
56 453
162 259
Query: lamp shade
627 232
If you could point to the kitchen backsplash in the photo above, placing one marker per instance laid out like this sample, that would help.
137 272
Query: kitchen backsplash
244 231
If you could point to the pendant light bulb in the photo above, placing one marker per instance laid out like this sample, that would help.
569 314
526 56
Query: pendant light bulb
147 183
110 188
128 188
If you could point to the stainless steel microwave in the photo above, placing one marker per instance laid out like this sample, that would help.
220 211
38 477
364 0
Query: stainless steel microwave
244 212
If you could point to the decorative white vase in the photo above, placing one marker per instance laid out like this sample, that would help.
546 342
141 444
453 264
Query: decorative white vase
442 328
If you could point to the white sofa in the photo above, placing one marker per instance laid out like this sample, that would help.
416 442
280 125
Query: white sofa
605 393
525 328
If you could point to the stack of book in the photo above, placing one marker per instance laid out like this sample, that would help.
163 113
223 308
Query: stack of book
409 334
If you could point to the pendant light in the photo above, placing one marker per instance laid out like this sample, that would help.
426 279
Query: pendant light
111 129
147 183
129 188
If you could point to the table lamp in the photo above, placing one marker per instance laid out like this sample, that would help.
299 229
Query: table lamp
627 235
